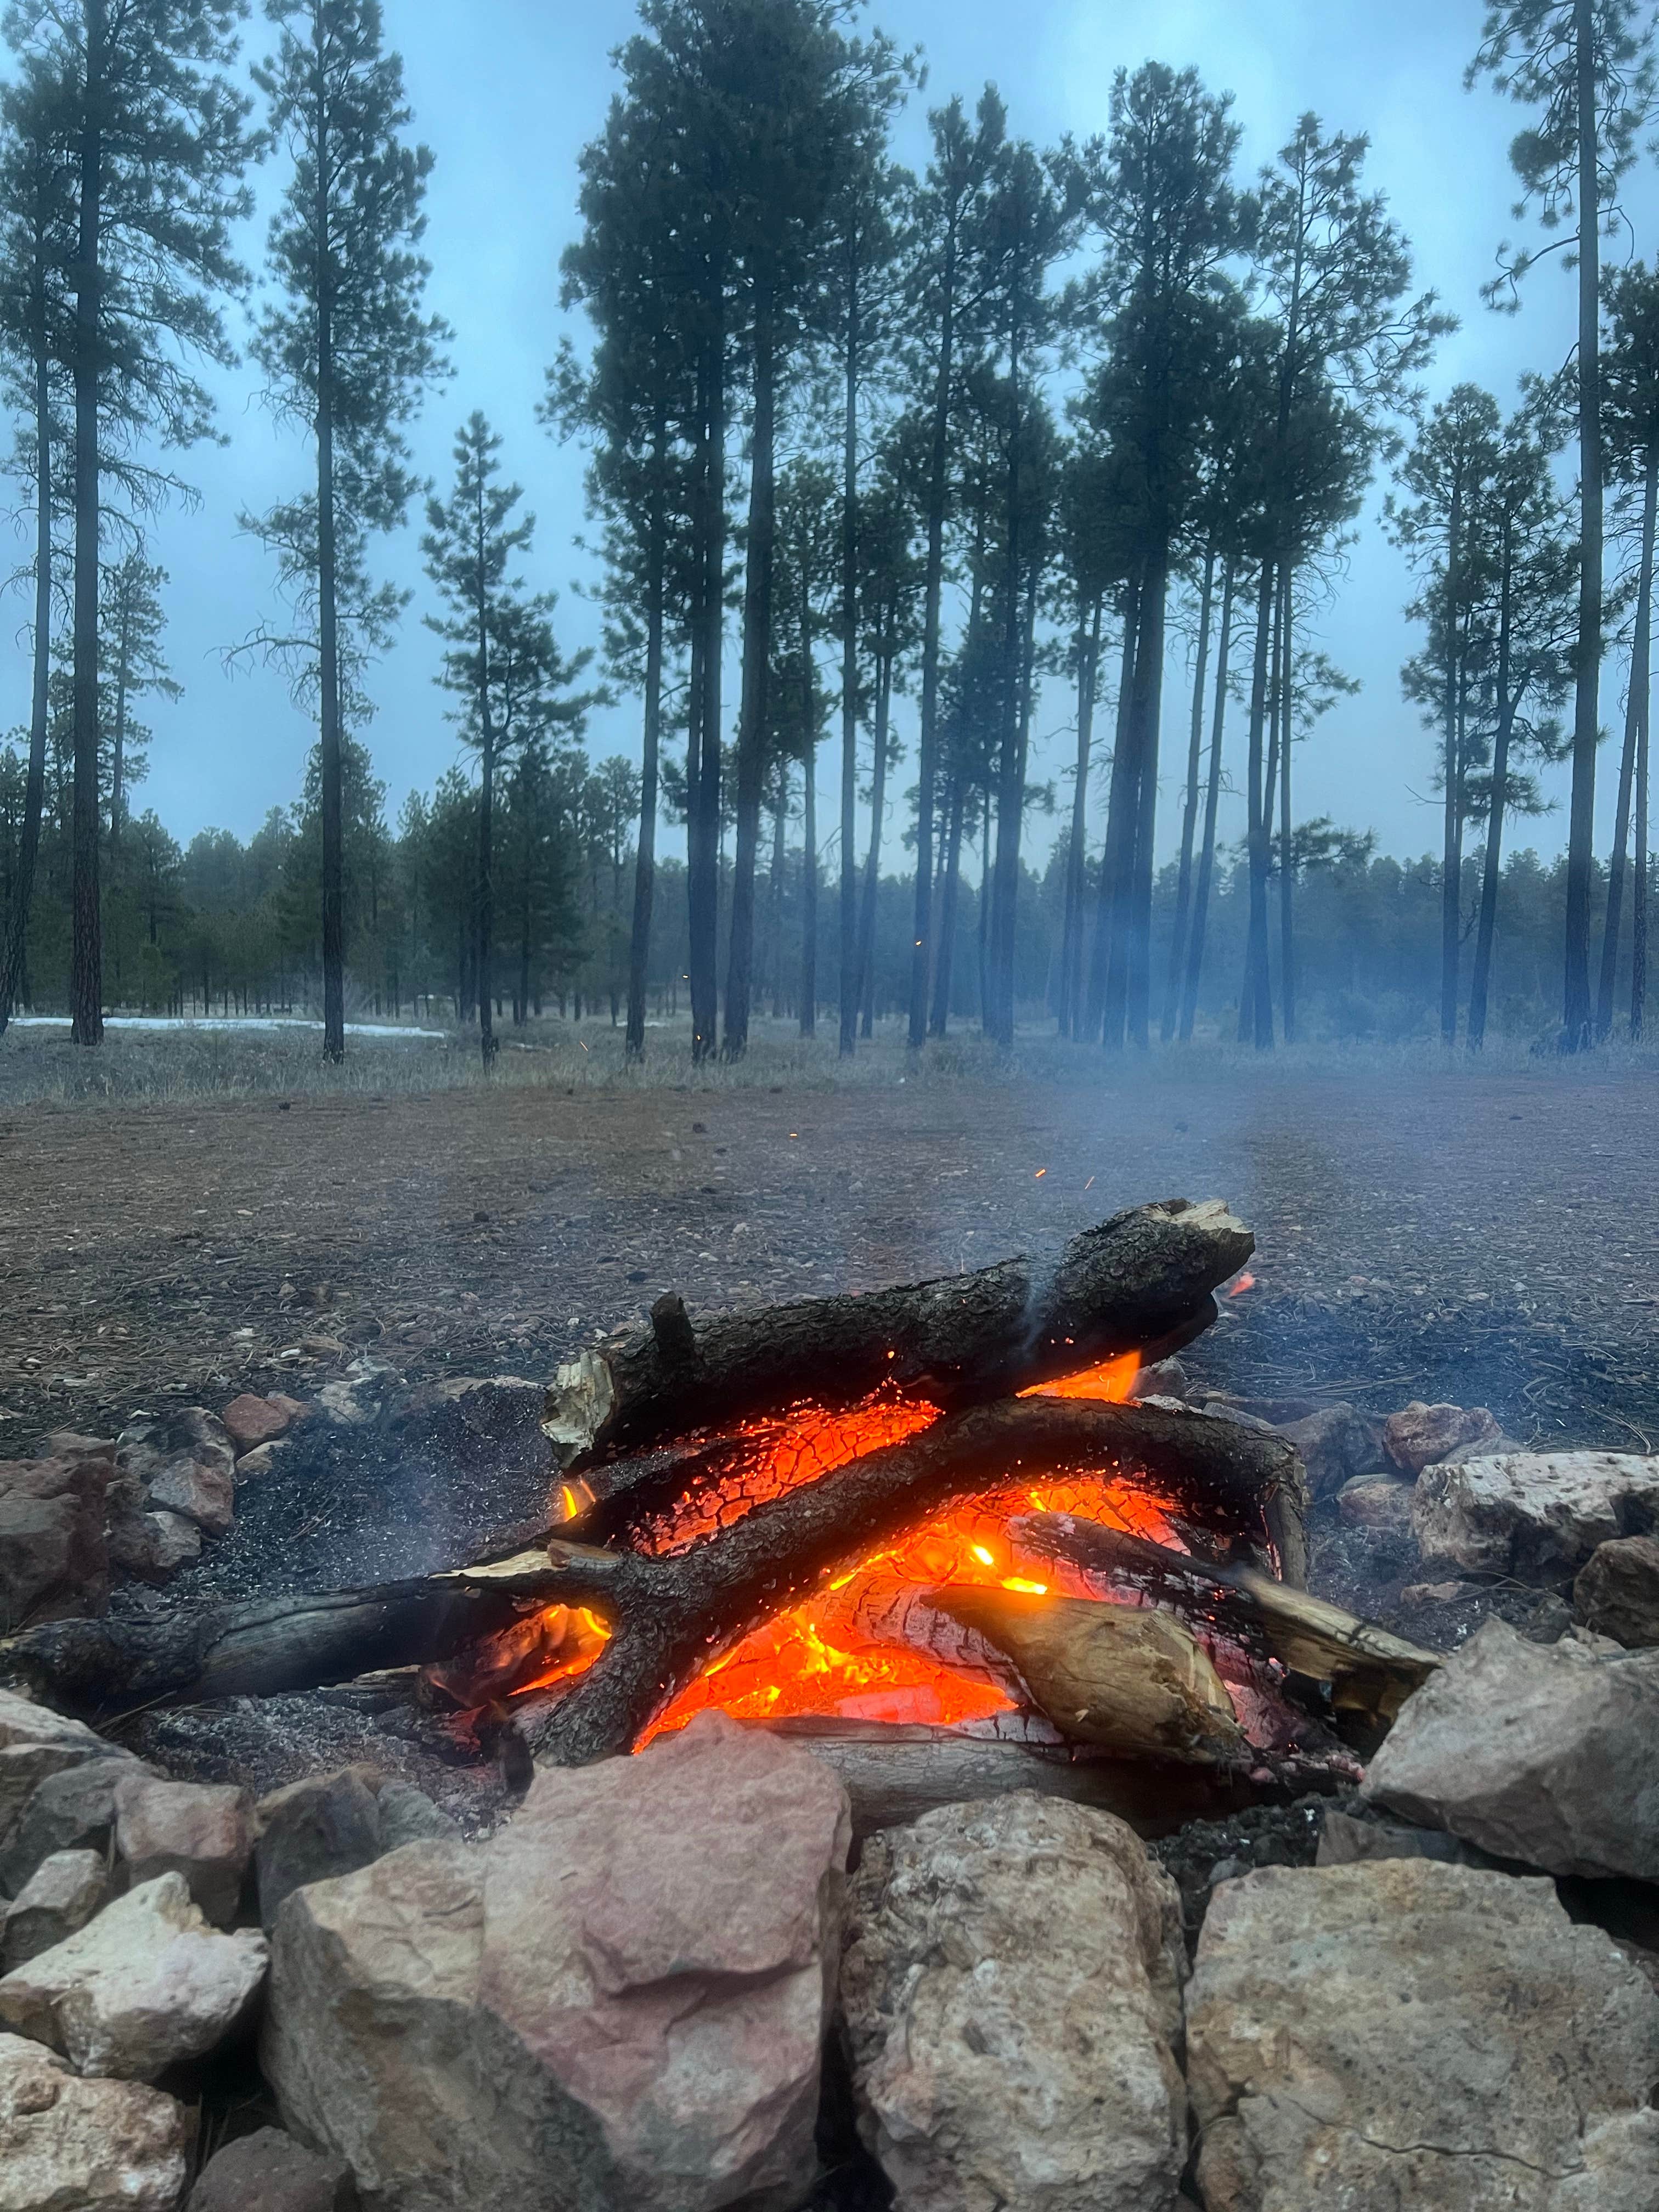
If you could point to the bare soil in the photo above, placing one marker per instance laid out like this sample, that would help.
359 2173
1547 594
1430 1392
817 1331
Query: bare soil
1482 1238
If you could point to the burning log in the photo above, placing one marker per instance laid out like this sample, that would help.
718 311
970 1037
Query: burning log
1370 1672
1140 1282
1127 1679
670 1616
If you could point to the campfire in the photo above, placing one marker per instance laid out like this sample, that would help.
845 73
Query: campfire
943 1523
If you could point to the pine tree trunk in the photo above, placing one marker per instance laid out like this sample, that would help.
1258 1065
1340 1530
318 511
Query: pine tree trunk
849 669
922 953
34 789
645 859
950 901
1211 806
774 891
1149 690
873 864
1286 842
1639 888
756 662
1627 762
998 1001
1257 1004
1070 955
1490 874
809 885
1189 814
87 954
704 829
1576 1028
1111 909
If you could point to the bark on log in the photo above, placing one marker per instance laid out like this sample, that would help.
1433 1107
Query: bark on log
1142 1281
195 1653
1370 1672
894 1774
671 1615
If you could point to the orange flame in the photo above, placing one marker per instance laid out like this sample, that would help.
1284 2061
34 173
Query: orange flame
1244 1282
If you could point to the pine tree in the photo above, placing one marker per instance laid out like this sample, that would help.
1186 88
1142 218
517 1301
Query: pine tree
1585 67
157 135
349 352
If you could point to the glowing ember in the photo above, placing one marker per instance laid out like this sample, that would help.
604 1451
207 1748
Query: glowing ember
860 1649
1244 1282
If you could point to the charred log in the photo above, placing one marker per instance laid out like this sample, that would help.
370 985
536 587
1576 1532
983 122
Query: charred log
1142 1281
894 1774
671 1616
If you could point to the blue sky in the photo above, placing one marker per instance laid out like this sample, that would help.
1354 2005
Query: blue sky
506 91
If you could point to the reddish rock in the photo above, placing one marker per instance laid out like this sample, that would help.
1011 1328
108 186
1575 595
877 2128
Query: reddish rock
202 1831
1336 1443
1423 1436
1376 1502
67 1444
251 1422
1617 1594
270 2173
639 1968
54 1561
295 1408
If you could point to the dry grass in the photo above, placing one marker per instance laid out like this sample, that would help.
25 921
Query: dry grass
40 1067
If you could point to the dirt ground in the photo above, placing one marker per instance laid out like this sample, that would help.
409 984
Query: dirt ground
1486 1238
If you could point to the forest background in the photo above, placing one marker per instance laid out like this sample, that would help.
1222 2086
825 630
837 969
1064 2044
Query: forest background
1016 488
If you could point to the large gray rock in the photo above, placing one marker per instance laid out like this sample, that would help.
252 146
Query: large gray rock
1011 1992
1617 1594
72 2146
58 1901
1545 1752
270 2173
203 1831
35 1742
145 1984
73 1810
1403 2035
616 2005
1537 1515
314 1831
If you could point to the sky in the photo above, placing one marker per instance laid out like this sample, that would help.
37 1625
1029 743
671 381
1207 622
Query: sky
506 93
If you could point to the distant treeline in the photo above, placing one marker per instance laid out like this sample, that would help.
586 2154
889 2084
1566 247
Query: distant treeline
221 925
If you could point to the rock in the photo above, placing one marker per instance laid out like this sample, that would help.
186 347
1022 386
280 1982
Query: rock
1617 1594
153 1546
1375 1502
151 1444
1544 1752
313 1830
1010 1993
178 1541
145 1984
270 2173
198 1493
1422 1436
629 1984
69 1443
1344 1841
73 1810
408 1815
201 1831
1438 1593
1397 2034
35 1742
57 1899
1336 1443
250 1421
259 1461
72 2146
1165 1379
53 1559
1536 1515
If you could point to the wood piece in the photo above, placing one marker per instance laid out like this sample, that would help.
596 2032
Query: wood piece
1130 1679
894 1774
1370 1671
1140 1281
671 1615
